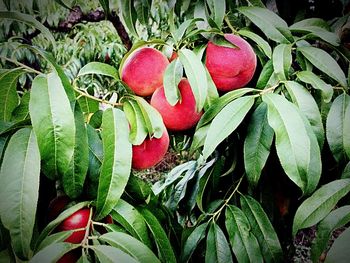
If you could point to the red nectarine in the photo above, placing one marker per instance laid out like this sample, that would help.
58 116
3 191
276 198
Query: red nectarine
79 219
144 69
231 68
181 116
150 152
71 256
56 206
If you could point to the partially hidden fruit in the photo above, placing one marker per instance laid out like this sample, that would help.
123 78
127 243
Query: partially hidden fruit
183 115
78 220
71 256
56 206
143 70
231 68
150 152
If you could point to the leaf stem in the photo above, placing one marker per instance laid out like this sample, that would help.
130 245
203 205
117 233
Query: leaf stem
25 67
229 24
272 88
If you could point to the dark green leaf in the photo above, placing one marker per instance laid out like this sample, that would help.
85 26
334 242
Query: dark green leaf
317 83
8 93
99 68
217 9
265 75
139 189
317 206
192 242
19 189
261 43
226 122
282 60
53 252
142 8
196 75
339 251
267 21
130 245
324 62
308 106
108 254
296 144
180 32
73 179
337 218
257 144
199 138
53 123
129 16
316 22
88 105
346 171
218 249
29 20
165 250
116 165
243 242
338 128
105 6
128 216
262 229
213 94
54 238
21 112
220 104
171 79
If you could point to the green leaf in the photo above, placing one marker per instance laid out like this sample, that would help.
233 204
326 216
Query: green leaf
165 250
53 224
196 75
53 252
338 128
21 112
218 249
142 8
316 22
308 106
261 43
139 189
296 144
153 119
317 83
130 245
53 123
180 32
267 21
29 20
346 171
218 9
324 62
192 242
337 218
99 68
339 251
213 94
73 179
199 138
138 129
129 16
226 122
317 206
54 238
265 75
105 6
116 165
171 79
243 242
282 60
131 219
8 93
257 144
19 189
108 254
262 229
219 104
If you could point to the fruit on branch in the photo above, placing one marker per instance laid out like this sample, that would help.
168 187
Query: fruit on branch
143 70
80 219
150 152
181 116
231 68
56 206
71 256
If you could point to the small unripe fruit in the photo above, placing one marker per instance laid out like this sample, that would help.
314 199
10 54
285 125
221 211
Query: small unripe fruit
144 69
150 152
79 219
181 116
231 68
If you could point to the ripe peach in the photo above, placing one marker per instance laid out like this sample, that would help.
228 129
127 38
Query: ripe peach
150 152
70 257
144 69
231 68
181 116
56 206
79 219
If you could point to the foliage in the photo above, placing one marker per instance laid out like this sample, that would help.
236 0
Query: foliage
276 151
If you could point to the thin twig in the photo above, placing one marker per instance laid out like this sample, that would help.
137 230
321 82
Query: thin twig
25 67
85 94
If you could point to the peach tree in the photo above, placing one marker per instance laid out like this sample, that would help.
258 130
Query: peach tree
257 108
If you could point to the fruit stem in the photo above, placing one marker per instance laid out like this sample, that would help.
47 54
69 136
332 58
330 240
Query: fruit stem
25 67
227 20
85 241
